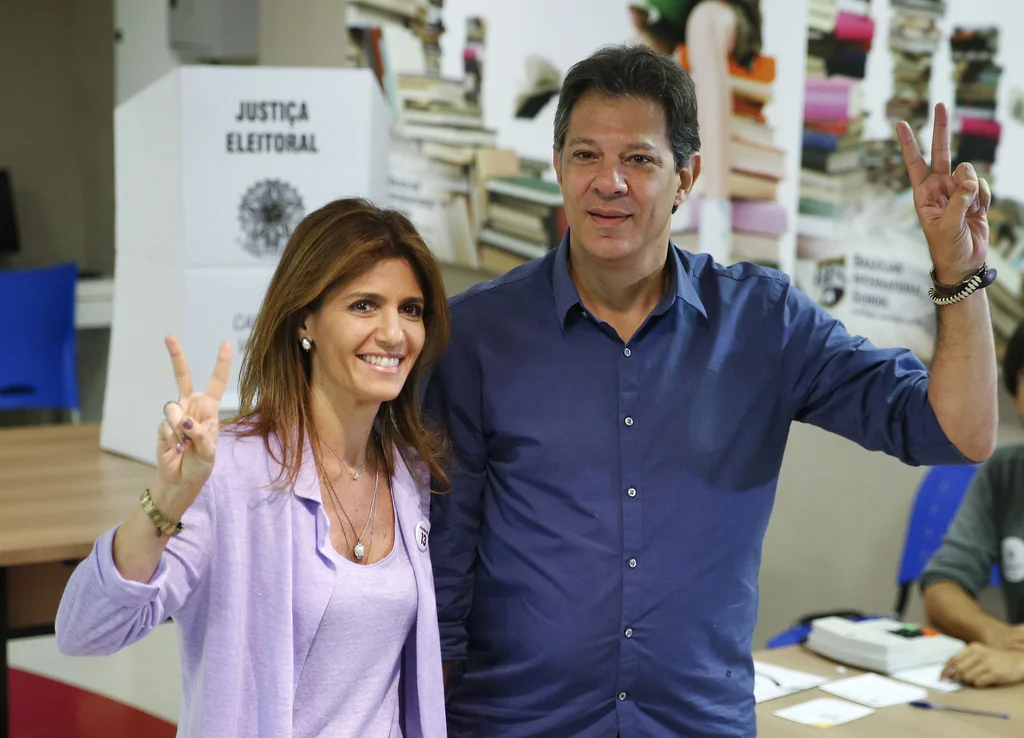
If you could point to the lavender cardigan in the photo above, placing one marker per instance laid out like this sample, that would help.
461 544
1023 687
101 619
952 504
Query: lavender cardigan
247 586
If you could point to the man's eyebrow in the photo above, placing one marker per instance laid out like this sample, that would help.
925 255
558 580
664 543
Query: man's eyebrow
633 146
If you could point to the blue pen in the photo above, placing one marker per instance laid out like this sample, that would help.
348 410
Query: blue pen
967 710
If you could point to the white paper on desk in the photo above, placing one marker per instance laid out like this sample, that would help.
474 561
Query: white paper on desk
928 676
875 690
789 681
824 712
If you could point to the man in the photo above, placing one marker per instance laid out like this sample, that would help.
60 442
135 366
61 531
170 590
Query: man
619 410
988 529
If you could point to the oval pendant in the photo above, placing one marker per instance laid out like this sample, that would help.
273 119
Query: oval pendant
355 476
359 551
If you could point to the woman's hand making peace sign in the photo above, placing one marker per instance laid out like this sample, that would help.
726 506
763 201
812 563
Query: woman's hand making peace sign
187 437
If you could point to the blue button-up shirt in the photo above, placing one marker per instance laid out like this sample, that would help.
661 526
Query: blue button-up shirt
596 562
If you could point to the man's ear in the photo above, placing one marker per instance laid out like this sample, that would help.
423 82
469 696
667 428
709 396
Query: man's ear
687 178
556 162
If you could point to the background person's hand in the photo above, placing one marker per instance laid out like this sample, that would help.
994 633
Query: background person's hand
187 436
979 665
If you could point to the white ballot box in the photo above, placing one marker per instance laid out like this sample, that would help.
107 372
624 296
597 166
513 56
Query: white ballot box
214 168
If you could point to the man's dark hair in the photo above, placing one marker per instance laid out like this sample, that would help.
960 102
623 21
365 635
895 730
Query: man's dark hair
1013 360
639 72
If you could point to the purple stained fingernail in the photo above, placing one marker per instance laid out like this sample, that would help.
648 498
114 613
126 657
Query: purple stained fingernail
187 424
179 448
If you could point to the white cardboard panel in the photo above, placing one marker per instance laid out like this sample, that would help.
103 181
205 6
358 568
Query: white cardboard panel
182 265
264 140
147 306
220 305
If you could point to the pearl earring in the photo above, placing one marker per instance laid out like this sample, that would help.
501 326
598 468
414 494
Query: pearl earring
306 343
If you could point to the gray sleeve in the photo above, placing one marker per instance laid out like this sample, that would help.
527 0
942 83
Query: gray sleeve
971 545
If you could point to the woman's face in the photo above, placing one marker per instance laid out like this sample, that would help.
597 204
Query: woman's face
368 334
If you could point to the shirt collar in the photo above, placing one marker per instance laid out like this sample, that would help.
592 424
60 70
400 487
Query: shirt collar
680 284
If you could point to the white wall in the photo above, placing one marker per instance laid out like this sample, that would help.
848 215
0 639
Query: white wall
837 531
143 54
562 32
566 31
56 131
1008 15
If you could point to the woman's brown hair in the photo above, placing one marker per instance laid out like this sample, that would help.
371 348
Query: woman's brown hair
331 246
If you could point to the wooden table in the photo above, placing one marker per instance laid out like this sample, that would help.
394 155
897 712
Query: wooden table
58 493
898 721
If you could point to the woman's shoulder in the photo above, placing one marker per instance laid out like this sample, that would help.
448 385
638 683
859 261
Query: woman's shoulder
247 460
239 450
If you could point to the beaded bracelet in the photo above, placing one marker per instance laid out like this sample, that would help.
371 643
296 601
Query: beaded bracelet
944 294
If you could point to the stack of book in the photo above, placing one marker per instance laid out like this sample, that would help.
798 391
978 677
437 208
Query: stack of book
411 23
914 38
442 154
833 176
524 219
431 34
976 134
756 166
839 34
757 228
976 131
883 162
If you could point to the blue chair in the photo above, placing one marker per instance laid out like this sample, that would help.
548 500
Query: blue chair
37 339
937 500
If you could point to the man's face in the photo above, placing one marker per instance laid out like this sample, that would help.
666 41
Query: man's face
618 177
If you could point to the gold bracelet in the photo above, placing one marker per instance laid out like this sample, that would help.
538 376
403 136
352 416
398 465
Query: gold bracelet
164 527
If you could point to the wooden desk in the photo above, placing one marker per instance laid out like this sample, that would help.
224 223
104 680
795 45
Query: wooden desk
898 721
58 493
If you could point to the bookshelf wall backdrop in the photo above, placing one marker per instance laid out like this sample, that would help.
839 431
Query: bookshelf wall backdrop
817 183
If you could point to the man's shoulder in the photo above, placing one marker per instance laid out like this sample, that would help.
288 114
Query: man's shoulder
737 283
518 285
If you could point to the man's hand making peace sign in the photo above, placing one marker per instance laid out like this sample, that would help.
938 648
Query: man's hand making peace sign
952 206
953 210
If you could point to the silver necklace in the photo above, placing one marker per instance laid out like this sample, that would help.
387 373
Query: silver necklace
359 550
356 473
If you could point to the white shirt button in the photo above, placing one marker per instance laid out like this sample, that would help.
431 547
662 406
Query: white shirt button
631 491
622 696
584 314
627 352
632 563
629 632
629 420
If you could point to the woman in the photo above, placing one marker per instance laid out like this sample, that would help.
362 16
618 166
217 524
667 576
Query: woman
296 566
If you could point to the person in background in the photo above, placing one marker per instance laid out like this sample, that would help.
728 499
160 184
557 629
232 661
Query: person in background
714 32
290 546
619 409
988 529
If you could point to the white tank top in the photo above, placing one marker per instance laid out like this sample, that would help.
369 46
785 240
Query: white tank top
349 683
